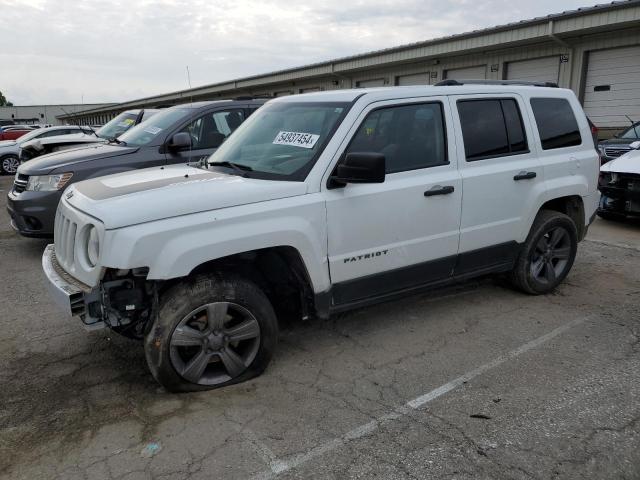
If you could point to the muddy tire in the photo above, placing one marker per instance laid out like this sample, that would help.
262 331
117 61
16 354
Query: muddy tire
547 255
211 331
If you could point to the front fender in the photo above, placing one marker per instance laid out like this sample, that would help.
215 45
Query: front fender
172 248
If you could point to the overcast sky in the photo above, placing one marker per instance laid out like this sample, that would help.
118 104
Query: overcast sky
59 51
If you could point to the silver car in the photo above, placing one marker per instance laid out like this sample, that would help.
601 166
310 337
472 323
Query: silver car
10 149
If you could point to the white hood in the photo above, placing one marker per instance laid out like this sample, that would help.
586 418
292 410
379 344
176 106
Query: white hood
627 163
162 192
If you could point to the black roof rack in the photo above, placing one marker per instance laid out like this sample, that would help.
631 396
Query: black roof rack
451 82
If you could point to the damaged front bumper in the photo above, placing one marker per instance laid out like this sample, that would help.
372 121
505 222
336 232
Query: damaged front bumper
620 193
67 292
620 201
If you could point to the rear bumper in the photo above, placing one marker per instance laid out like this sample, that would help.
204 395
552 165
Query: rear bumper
590 203
67 293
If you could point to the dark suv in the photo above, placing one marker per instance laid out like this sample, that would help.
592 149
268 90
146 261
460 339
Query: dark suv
619 145
181 134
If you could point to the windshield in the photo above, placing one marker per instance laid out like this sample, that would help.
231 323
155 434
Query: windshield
148 130
632 132
116 127
281 141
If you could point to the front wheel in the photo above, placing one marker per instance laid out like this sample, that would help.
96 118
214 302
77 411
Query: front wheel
9 164
547 255
210 332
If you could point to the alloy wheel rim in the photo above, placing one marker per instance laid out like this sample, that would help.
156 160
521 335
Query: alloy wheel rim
215 343
10 164
550 255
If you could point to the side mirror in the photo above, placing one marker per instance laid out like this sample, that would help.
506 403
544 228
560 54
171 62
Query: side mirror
180 141
635 145
360 167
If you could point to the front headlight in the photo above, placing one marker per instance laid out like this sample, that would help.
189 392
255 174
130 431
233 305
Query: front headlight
93 246
48 183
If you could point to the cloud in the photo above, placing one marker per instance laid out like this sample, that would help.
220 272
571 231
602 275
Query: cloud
55 51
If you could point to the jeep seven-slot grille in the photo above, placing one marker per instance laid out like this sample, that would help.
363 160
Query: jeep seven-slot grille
20 183
65 240
615 152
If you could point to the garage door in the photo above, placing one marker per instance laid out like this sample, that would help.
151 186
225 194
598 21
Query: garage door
612 87
378 82
414 79
545 69
469 73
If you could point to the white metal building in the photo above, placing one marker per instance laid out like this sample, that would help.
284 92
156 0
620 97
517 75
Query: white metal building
45 114
595 51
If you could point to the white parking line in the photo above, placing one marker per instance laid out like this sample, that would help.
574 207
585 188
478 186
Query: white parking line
280 466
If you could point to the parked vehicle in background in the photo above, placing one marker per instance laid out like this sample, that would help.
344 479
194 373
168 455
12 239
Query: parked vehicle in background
20 127
13 132
112 129
10 149
594 133
180 134
620 185
619 144
321 203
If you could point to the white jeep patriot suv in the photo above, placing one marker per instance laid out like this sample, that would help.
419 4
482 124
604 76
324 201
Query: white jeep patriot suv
320 203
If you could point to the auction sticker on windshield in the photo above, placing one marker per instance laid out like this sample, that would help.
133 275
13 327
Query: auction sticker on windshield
152 130
296 139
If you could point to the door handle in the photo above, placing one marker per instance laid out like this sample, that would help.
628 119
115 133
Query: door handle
438 190
525 176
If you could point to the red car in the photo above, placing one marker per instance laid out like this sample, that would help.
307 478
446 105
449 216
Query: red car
11 133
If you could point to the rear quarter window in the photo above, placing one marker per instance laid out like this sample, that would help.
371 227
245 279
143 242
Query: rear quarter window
556 122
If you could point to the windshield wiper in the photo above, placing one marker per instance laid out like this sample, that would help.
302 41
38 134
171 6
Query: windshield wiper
239 168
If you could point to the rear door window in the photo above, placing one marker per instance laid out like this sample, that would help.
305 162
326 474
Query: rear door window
491 128
556 123
211 129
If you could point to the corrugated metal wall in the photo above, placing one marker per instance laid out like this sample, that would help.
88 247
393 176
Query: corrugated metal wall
606 29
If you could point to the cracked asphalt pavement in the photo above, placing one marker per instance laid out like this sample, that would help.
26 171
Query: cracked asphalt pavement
474 382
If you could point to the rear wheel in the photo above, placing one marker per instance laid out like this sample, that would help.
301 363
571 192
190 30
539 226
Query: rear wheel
9 164
547 255
210 332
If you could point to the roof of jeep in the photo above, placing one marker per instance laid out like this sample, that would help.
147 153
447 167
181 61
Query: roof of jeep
197 105
384 93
